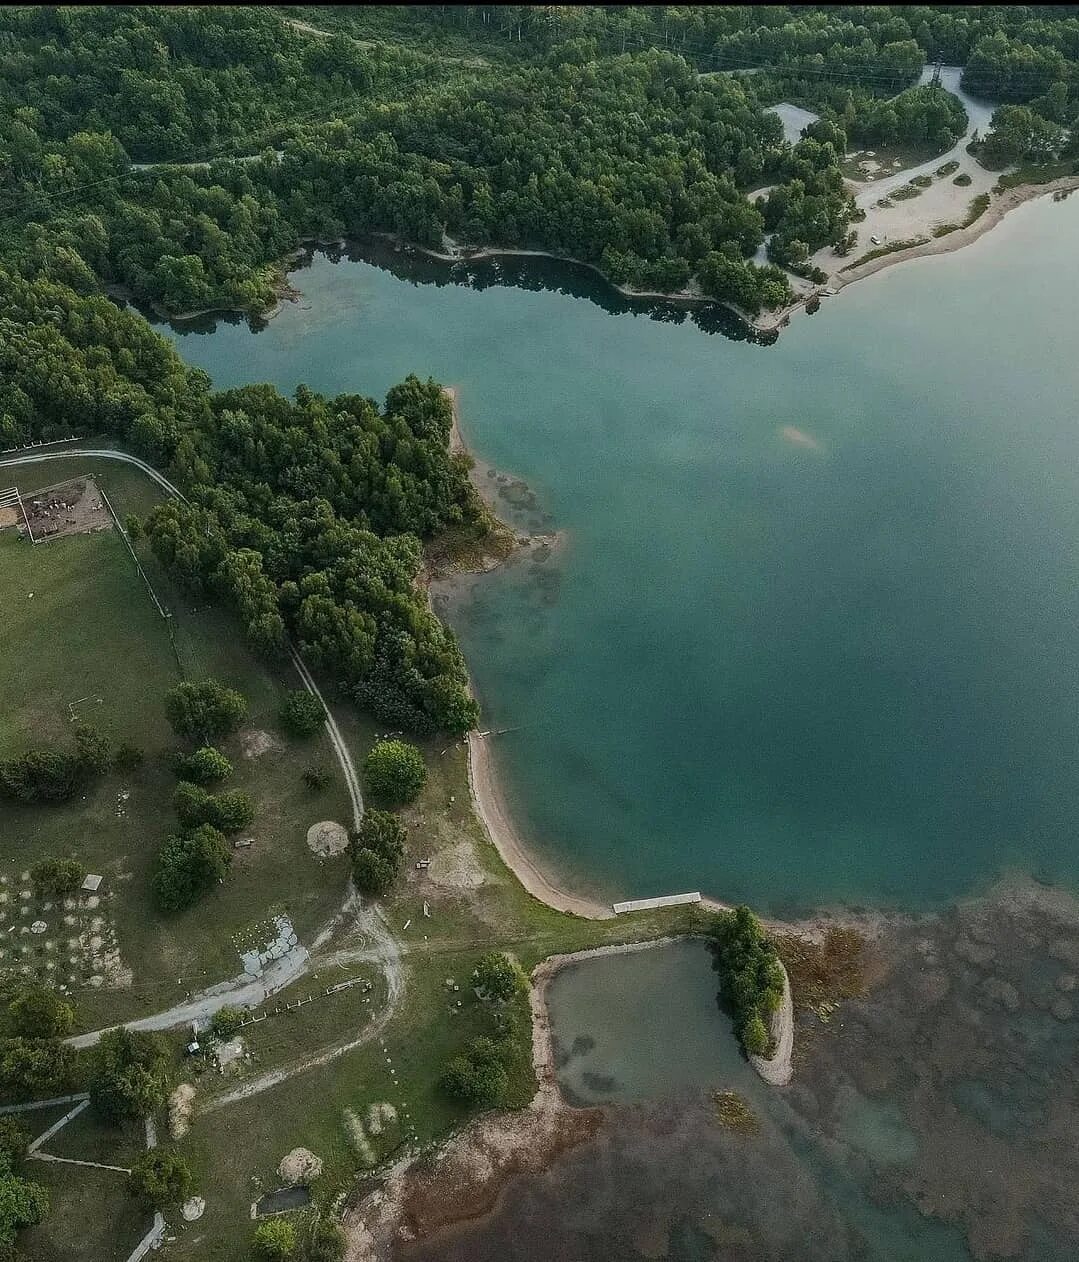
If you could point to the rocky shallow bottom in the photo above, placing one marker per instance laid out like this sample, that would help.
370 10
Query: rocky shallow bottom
932 1120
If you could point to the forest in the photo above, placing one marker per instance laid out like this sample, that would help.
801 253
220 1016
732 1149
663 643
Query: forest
589 133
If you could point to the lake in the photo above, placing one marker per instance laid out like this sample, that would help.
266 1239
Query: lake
814 634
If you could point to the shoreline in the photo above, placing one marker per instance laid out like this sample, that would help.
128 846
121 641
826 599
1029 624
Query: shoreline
999 206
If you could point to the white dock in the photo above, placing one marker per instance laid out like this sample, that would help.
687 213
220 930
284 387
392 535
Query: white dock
647 904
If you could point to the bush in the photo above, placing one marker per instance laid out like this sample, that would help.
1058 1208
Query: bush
755 1037
498 976
204 712
226 1022
161 1179
14 1139
921 181
22 1204
321 1240
232 811
395 772
302 713
275 1240
192 804
39 1013
316 778
228 812
129 1074
51 775
205 766
189 864
36 1067
372 873
962 179
478 1077
93 749
378 848
127 757
383 833
56 878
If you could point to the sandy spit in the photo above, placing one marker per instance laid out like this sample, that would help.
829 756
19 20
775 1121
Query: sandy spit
997 209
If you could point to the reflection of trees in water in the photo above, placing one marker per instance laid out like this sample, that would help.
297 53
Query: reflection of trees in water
539 274
511 271
933 1120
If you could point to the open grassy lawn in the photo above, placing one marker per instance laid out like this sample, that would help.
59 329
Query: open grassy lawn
91 631
91 1216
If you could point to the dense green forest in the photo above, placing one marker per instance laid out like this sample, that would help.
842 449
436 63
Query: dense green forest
304 516
586 132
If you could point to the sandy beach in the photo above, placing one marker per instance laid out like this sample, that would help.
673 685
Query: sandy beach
490 807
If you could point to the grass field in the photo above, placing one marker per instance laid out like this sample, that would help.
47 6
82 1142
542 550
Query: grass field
91 631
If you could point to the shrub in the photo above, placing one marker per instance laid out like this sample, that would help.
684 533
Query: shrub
378 848
226 1022
395 772
962 179
36 1067
14 1139
228 812
22 1204
372 873
127 757
321 1240
316 778
383 833
275 1240
160 1178
921 181
203 712
205 766
188 864
56 878
51 775
478 1077
302 713
192 804
231 811
93 749
129 1074
755 1038
39 1013
498 976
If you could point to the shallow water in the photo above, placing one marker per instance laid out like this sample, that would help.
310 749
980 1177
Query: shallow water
932 1121
813 638
613 1019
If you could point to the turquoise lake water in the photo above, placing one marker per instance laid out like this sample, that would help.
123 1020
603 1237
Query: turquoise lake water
814 636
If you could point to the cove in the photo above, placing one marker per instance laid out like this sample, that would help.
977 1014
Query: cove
613 1016
814 637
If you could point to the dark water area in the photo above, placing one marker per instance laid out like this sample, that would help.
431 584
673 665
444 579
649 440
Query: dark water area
932 1121
812 638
